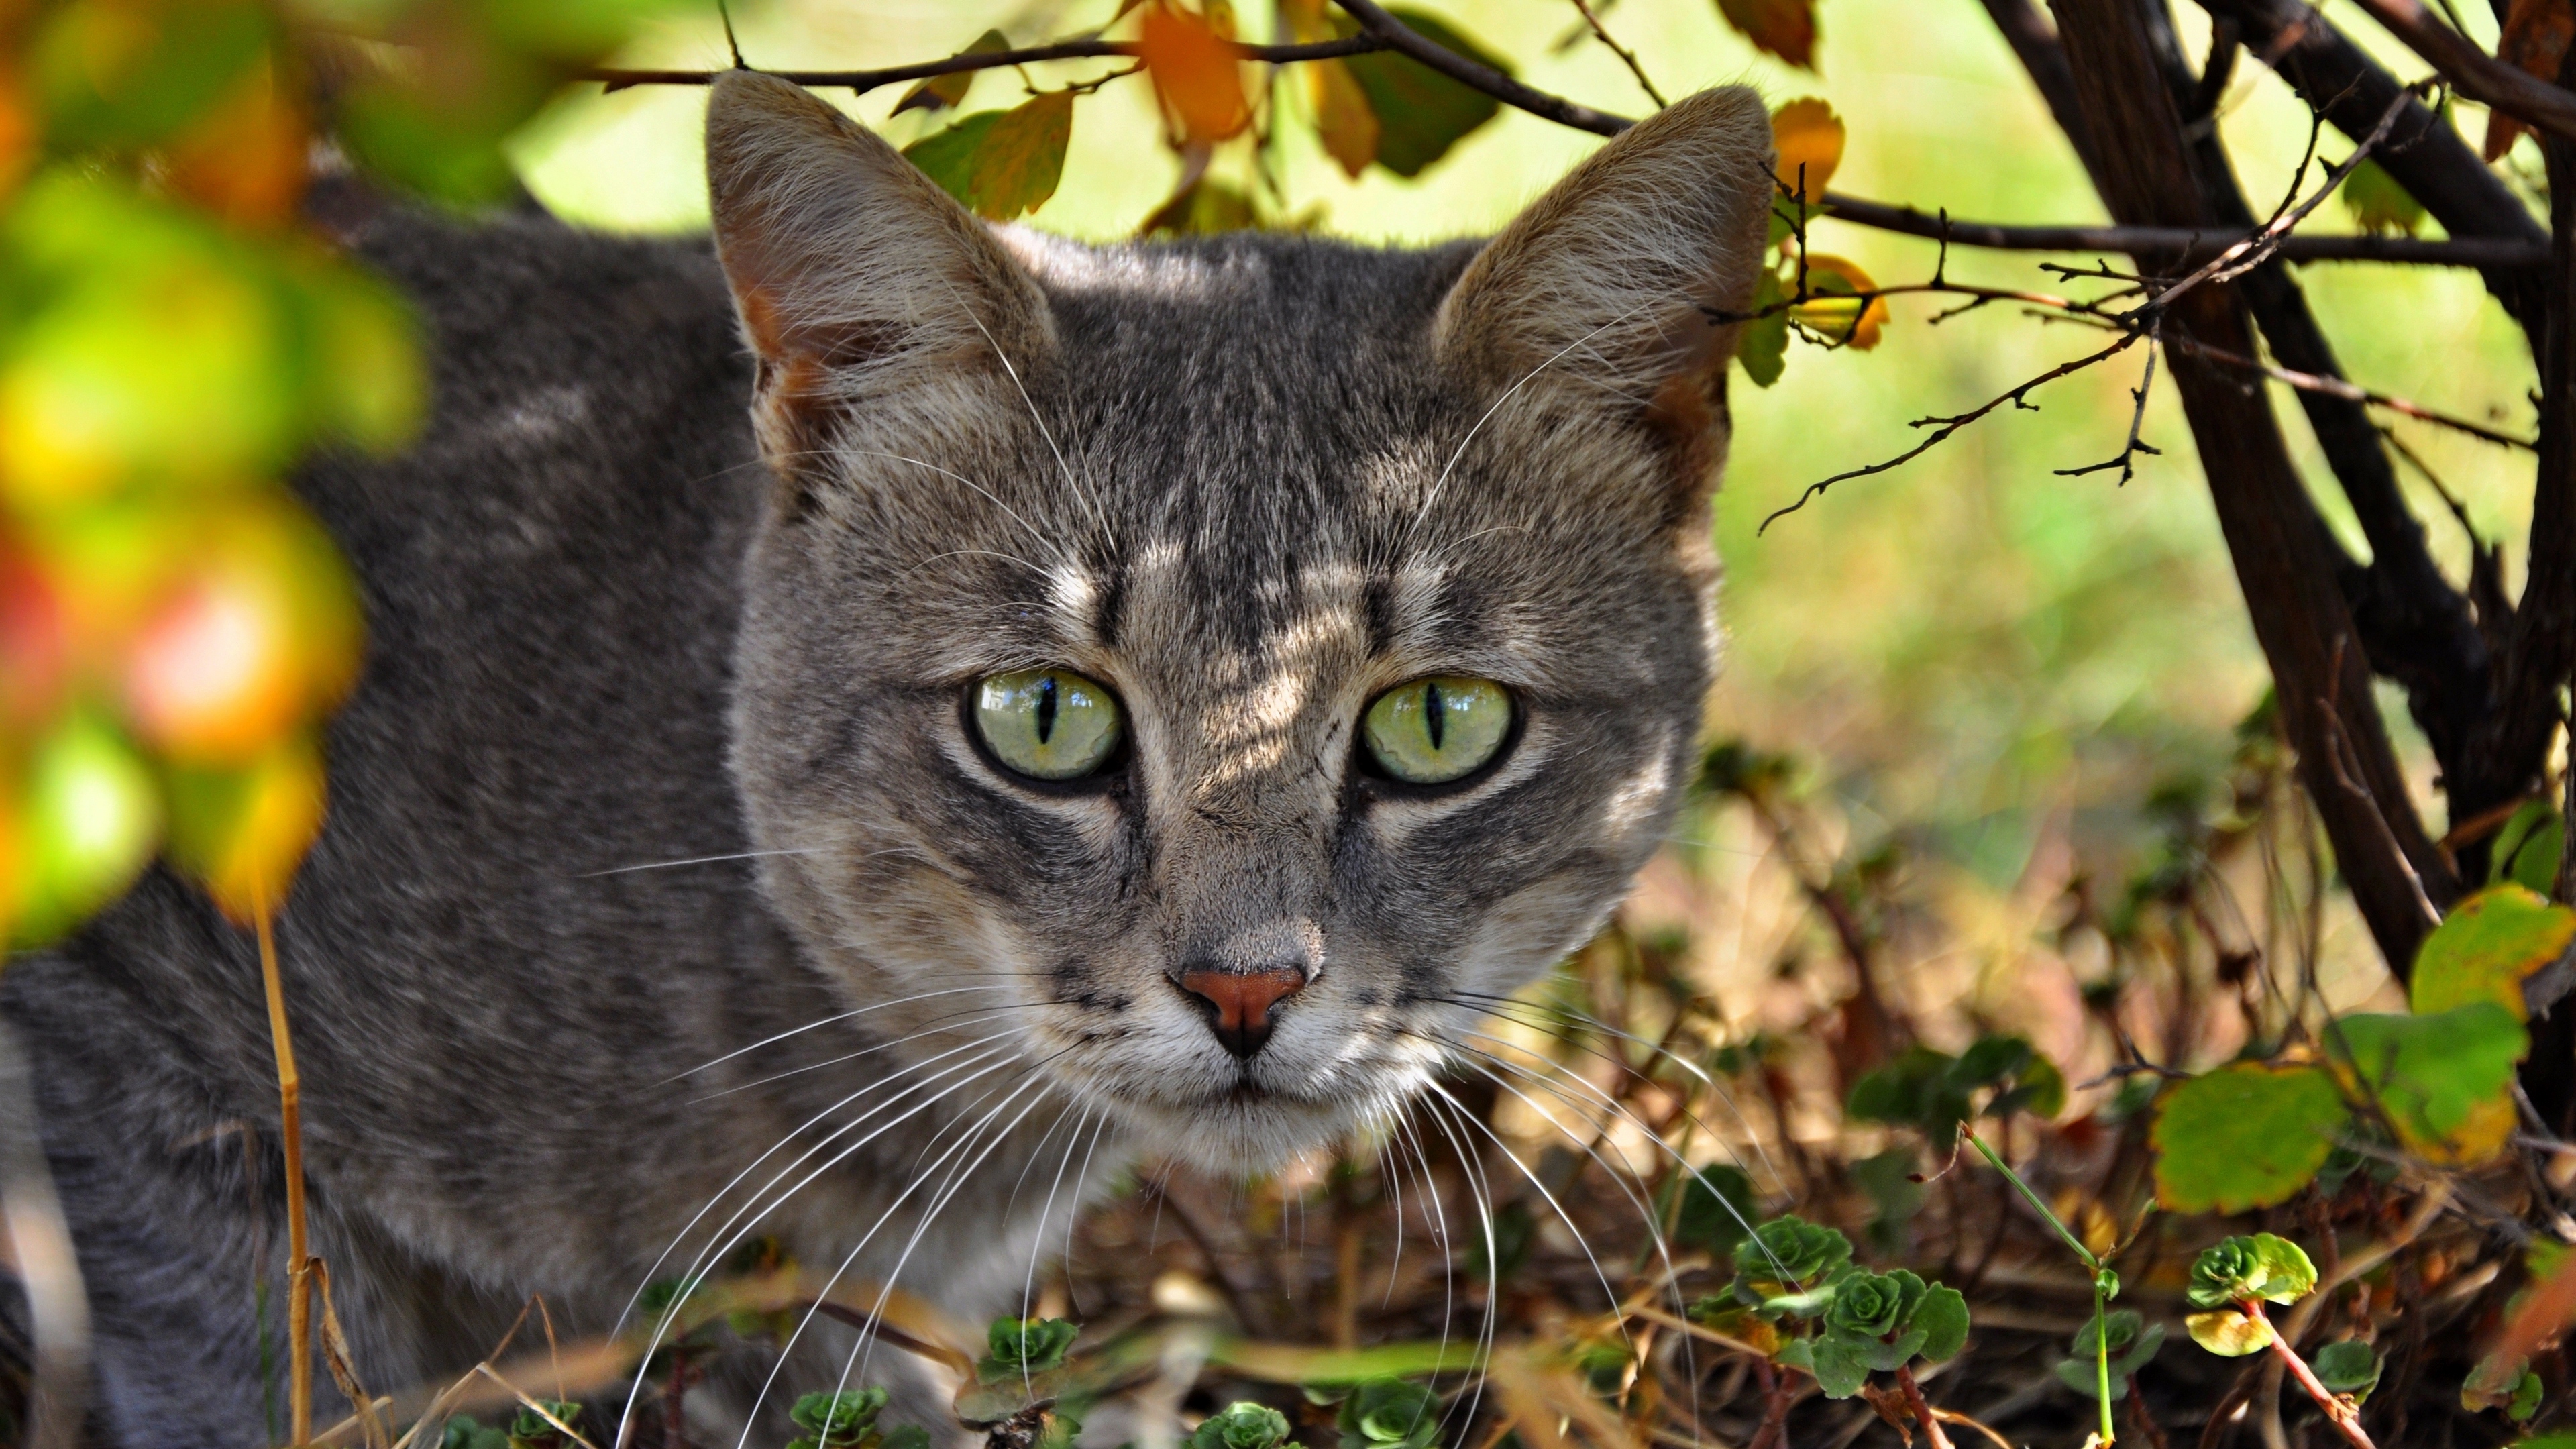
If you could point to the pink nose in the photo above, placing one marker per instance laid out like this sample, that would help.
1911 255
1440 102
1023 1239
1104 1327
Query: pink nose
1239 1002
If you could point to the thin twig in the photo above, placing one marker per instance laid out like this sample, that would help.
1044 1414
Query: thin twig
862 81
2338 387
1626 56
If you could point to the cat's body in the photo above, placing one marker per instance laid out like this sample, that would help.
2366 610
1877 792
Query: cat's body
1251 484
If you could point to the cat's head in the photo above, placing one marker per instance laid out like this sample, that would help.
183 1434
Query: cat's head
1197 678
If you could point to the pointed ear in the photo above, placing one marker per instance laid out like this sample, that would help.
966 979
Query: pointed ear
1607 280
858 281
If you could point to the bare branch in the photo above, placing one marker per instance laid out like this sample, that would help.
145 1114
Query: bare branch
2127 459
1626 56
2478 75
2338 387
1395 35
2188 243
863 81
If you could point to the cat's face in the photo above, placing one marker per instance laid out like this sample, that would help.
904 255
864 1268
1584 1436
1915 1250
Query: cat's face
1083 676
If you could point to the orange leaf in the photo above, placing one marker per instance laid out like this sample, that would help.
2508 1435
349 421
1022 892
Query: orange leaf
2535 38
1195 72
241 833
1808 135
1344 120
1830 309
245 159
1786 28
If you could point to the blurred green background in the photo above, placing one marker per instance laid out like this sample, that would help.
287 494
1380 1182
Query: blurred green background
1971 651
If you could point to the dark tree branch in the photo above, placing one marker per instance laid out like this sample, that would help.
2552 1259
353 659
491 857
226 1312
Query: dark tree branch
2184 243
2342 83
1376 23
2477 75
2034 40
2281 561
864 81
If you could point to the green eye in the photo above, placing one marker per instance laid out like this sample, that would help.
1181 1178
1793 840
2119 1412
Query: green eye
1047 724
1436 730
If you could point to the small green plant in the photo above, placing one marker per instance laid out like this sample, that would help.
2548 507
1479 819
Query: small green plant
1389 1414
2123 1339
1243 1425
1934 1092
848 1420
2230 1283
1781 1270
538 1424
1026 1345
464 1431
1881 1322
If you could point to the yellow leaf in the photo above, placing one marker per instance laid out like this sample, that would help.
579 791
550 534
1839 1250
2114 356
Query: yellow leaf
241 833
1833 307
1195 72
2486 948
1344 120
1807 134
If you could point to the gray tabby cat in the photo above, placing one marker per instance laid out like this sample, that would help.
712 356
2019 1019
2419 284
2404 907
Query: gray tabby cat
1107 701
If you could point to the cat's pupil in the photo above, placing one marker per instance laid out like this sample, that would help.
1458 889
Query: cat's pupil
1046 708
1432 710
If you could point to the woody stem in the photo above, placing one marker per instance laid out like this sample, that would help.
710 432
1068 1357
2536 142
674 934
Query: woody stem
2339 1412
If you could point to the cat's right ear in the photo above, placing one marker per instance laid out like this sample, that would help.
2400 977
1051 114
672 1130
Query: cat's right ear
860 284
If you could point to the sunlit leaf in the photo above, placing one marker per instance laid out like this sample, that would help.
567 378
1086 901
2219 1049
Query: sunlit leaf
2377 203
1834 311
1763 346
1809 138
1000 163
1195 71
91 817
2486 948
2528 848
2441 1079
241 832
2228 1333
2245 1135
1785 28
1344 120
132 73
258 632
1420 112
940 92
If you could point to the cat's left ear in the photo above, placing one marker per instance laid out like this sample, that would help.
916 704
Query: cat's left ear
859 281
1608 281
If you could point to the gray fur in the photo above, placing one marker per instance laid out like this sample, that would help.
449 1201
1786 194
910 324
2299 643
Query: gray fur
1249 482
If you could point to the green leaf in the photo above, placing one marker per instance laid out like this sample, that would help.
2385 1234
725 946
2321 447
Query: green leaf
2263 1266
1028 1345
2441 1079
1718 1202
838 1419
940 92
1389 1414
1763 346
2377 203
1942 1317
2526 1402
1889 1179
2083 1375
1919 1088
2246 1135
1001 164
1420 112
1785 1266
2486 947
2347 1367
1208 207
1242 1425
2535 858
130 75
1840 1366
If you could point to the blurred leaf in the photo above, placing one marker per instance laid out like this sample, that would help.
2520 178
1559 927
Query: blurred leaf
1718 1206
940 92
1420 112
132 72
241 832
1195 71
92 817
1763 346
1835 311
1807 134
363 378
258 632
2486 948
35 639
1514 1229
2534 38
1000 163
244 161
2246 1135
2377 203
1027 1345
1344 121
2528 847
2441 1079
1888 1179
1390 1414
2347 1367
1242 1425
1206 208
838 1419
1785 28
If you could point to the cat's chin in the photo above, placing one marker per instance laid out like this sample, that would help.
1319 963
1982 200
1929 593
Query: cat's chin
1242 1133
